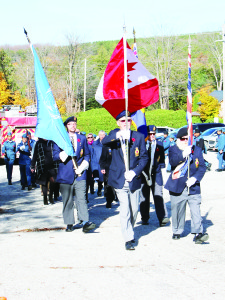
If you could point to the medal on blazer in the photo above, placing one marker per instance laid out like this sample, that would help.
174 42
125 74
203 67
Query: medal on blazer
196 163
81 152
136 151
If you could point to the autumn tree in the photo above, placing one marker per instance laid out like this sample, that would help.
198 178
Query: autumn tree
5 93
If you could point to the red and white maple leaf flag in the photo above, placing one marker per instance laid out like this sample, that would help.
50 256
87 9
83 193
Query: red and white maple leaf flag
143 88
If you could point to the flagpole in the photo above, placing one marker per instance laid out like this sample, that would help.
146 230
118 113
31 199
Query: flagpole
126 87
189 105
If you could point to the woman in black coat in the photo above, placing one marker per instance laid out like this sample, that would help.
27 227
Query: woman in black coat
46 169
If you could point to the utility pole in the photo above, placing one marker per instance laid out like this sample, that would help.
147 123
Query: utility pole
223 40
85 62
224 73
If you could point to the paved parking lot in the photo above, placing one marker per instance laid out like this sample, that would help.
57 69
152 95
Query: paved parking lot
39 260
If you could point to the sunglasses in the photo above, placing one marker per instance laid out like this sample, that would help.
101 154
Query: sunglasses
90 137
128 120
151 133
184 139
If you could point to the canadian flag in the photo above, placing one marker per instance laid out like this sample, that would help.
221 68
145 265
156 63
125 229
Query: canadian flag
143 88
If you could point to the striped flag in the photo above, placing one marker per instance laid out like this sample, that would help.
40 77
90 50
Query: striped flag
138 117
189 100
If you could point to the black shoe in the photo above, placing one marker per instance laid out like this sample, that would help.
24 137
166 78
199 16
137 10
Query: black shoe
108 205
99 194
51 199
23 187
218 170
201 238
88 226
29 187
133 241
34 185
69 228
129 246
144 223
92 192
9 182
163 222
176 236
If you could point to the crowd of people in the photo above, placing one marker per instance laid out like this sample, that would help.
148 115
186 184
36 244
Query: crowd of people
126 166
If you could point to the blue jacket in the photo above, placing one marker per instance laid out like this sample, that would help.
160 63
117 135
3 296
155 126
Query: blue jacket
66 173
197 170
158 163
95 157
9 148
220 145
25 153
166 144
138 158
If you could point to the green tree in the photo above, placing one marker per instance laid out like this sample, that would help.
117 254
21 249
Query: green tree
7 68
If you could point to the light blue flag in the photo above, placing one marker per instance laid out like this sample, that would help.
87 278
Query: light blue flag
49 122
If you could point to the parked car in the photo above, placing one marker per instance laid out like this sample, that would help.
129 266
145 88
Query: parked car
210 137
161 129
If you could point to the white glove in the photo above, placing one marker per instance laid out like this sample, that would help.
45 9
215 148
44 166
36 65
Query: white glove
124 134
83 166
63 156
129 175
22 148
191 181
187 151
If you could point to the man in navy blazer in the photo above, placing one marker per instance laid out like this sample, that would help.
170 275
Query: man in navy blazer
152 180
124 172
183 189
73 180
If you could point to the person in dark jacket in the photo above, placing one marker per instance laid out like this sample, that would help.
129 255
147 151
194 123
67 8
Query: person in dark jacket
152 180
73 179
46 169
185 189
104 162
96 154
129 158
199 141
24 162
90 180
9 153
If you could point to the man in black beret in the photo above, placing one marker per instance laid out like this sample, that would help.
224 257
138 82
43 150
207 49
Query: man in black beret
184 189
152 180
129 158
73 179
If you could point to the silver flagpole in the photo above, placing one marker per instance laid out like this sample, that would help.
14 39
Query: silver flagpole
125 87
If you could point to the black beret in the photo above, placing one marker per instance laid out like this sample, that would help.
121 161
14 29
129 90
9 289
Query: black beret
182 132
151 128
70 119
122 114
197 130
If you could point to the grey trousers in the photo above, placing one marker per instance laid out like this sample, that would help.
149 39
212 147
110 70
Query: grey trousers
178 211
78 188
128 210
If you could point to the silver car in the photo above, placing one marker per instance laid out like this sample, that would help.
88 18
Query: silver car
210 137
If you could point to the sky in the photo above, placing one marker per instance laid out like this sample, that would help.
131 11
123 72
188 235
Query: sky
52 21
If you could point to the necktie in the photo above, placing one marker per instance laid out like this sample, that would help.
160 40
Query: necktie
73 144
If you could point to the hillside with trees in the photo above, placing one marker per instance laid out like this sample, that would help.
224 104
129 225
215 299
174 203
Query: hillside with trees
164 56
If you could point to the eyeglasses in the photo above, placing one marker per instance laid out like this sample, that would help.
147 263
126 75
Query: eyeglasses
184 139
128 120
151 133
90 137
